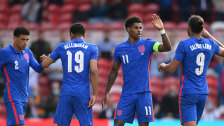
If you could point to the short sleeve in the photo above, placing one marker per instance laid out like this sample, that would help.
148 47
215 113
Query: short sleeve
151 44
94 54
215 47
116 56
180 52
55 54
33 62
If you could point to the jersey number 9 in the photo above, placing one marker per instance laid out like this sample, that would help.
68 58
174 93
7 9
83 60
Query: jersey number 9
200 61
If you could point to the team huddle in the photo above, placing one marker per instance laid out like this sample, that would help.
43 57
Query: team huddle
79 61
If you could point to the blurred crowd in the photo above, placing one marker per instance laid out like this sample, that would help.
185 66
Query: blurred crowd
44 88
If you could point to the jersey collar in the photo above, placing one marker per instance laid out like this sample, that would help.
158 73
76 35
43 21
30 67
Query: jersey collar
194 38
78 40
135 44
14 50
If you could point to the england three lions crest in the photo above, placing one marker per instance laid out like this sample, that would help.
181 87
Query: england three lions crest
141 49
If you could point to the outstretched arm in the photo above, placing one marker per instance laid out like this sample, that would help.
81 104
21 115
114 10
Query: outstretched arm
47 62
206 34
158 24
94 81
110 82
169 68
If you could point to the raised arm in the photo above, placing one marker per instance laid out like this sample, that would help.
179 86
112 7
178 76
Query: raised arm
94 81
169 68
158 24
206 34
112 77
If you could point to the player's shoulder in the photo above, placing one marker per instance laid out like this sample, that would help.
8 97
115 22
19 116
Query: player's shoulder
5 50
122 45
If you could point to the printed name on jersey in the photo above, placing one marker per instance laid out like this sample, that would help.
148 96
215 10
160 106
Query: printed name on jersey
200 46
74 45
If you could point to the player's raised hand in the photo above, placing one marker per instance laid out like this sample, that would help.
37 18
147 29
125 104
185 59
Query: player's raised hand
43 57
161 66
205 33
157 22
104 101
92 101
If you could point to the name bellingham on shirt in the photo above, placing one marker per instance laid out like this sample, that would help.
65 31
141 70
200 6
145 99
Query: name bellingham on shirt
200 46
74 45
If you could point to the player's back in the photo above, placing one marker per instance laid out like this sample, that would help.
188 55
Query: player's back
75 56
197 55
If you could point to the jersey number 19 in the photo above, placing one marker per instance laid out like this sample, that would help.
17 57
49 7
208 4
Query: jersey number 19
79 58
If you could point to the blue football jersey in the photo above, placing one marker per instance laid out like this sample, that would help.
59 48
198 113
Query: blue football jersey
135 59
75 56
195 56
15 69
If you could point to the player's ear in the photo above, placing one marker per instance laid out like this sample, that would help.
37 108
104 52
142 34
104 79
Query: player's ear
128 29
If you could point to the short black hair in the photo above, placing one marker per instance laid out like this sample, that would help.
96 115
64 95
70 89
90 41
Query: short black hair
131 20
196 23
77 29
21 30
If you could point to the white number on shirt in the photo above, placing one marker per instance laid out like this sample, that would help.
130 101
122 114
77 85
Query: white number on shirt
16 65
148 110
79 58
125 59
200 61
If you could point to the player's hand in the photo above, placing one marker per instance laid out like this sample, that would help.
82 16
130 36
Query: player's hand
205 33
157 22
104 101
43 57
161 66
92 101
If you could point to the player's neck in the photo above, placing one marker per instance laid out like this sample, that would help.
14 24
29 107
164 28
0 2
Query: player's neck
132 40
198 36
16 47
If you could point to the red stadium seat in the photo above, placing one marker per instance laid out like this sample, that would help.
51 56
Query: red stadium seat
16 8
170 25
156 81
136 8
151 8
53 8
3 26
182 26
149 26
67 8
53 18
212 82
116 26
48 26
70 1
103 63
147 18
32 26
84 7
4 8
171 80
64 25
80 2
66 17
99 26
139 14
3 18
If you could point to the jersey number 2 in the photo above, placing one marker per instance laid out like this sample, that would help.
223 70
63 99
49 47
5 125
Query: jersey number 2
79 58
200 61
